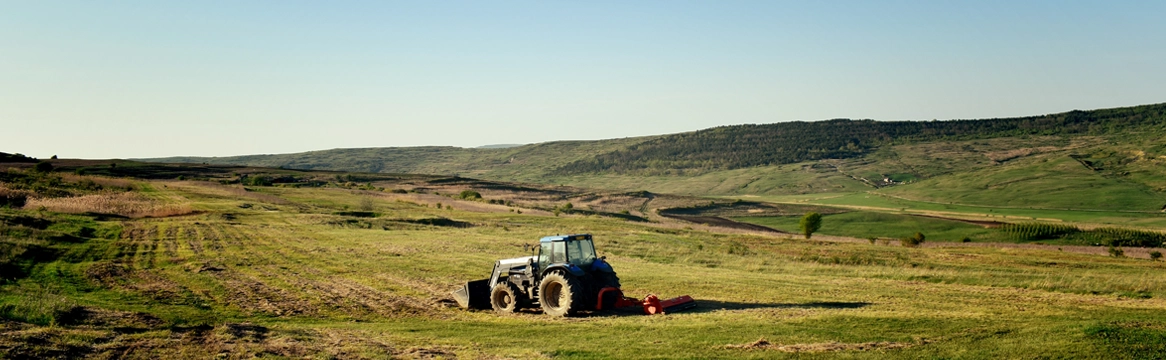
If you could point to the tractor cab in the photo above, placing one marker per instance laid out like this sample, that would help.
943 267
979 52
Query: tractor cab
573 253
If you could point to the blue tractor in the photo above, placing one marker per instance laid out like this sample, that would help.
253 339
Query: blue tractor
564 278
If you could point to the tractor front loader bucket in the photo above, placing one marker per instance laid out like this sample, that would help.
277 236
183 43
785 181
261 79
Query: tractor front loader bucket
474 295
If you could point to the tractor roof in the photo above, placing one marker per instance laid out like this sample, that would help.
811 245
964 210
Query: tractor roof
565 238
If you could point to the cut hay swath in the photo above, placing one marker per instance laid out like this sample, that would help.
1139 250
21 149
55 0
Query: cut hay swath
126 204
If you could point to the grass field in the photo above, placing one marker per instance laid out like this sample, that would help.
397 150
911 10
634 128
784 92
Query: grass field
1047 182
862 224
877 201
282 272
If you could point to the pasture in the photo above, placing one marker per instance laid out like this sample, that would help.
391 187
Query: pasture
359 271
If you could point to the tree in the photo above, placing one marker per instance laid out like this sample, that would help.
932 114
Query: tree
470 195
810 223
44 166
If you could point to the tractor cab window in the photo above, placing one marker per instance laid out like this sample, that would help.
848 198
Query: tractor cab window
544 256
559 253
581 252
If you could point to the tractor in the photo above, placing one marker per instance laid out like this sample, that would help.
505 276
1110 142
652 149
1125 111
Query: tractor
564 278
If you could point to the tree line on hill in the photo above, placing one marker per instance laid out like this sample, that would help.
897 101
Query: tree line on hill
742 146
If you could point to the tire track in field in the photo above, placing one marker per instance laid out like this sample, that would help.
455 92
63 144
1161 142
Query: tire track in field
195 235
189 235
211 237
149 248
232 236
170 242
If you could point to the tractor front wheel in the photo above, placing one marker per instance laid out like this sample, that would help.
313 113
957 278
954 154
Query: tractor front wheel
560 294
504 297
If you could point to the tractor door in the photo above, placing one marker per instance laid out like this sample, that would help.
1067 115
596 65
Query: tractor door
544 256
550 253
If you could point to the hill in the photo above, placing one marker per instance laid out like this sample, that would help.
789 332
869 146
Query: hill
1109 159
742 146
526 162
721 148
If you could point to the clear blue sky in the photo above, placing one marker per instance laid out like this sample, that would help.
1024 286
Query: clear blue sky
102 79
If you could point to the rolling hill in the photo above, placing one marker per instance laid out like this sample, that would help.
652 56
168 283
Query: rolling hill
1109 159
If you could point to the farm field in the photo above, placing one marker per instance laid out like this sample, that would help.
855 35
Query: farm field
354 269
862 224
877 201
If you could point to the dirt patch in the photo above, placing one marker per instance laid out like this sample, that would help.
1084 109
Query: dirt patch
723 222
82 315
106 273
432 352
762 344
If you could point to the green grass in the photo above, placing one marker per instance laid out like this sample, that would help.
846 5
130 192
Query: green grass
1050 182
861 224
875 201
319 288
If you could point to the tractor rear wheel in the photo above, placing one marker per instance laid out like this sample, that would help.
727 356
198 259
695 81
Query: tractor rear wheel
504 297
560 294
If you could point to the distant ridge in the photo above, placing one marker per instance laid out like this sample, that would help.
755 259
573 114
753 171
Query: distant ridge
716 149
743 146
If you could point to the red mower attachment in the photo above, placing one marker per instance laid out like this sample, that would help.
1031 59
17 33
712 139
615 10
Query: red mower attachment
653 305
614 298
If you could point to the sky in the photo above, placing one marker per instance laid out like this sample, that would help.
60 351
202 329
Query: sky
138 79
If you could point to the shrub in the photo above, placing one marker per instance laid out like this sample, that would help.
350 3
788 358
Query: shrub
736 248
966 239
470 195
1155 255
810 223
872 239
256 180
914 240
12 198
1116 252
44 167
366 204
